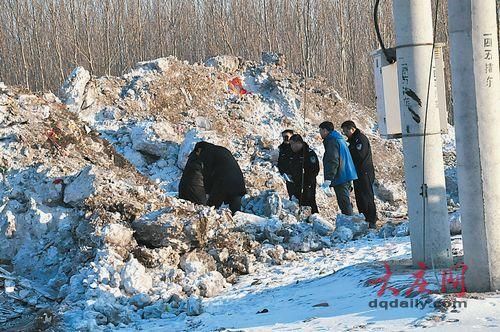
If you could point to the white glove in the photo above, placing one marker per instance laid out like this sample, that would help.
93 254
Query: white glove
326 188
287 178
326 184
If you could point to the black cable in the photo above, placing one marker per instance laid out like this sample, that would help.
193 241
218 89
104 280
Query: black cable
390 56
424 185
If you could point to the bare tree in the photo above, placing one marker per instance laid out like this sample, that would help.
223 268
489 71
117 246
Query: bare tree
42 40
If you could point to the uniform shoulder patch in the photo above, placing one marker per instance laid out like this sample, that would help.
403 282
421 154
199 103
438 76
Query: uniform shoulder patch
313 159
359 146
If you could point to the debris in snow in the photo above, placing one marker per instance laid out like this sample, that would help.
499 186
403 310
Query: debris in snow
322 304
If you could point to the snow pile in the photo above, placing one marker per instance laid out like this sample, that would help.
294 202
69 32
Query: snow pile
88 213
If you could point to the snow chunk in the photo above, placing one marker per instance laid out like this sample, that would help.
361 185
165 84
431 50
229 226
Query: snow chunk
226 63
342 234
356 223
194 306
320 225
197 263
117 235
134 278
153 138
72 93
211 284
81 188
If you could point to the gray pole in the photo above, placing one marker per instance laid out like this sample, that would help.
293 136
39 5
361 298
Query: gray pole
476 107
429 228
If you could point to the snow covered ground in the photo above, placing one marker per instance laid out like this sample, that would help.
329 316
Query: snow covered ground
329 291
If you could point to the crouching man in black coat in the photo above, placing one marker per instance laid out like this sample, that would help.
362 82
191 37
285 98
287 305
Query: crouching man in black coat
191 186
304 169
222 176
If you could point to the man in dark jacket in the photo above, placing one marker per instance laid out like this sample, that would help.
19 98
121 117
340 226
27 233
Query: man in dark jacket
361 153
338 167
191 186
223 179
303 171
284 161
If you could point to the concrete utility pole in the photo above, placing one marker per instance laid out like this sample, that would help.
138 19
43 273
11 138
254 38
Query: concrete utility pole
476 108
426 193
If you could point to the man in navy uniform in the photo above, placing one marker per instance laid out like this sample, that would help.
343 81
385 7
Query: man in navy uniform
361 153
304 169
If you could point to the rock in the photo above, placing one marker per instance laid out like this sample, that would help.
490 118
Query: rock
197 263
193 306
342 234
140 300
321 226
153 138
117 235
455 223
72 92
211 284
356 223
226 63
81 188
134 278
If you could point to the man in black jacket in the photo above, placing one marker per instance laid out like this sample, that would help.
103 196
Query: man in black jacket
303 170
222 176
361 153
284 161
191 186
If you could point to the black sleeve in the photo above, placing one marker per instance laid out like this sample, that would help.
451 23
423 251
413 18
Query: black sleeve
331 159
281 160
311 163
365 147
